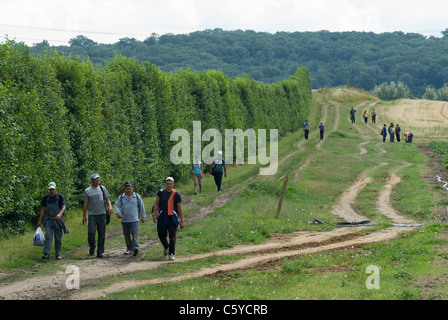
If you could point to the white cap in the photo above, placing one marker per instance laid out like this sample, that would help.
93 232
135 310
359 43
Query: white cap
220 152
52 185
169 178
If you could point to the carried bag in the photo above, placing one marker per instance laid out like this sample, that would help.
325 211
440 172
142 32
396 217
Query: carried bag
107 213
39 238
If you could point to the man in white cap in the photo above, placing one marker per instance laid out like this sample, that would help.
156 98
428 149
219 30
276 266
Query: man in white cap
217 169
52 209
167 212
95 197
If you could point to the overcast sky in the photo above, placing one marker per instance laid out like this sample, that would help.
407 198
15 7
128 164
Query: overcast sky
32 21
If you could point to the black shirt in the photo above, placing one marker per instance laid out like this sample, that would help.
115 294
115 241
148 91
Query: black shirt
164 196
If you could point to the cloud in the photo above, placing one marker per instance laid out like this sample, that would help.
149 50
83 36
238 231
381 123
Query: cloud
107 21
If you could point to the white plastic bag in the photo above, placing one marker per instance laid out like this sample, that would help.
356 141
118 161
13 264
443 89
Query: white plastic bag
39 238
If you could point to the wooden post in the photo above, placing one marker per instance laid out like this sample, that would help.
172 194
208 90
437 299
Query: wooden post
280 201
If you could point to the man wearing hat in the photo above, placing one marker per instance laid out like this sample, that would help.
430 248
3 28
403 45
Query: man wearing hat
128 208
51 210
168 214
95 197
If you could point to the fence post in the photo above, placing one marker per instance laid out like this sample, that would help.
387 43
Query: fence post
280 201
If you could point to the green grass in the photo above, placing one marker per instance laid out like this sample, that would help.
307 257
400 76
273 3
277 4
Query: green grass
249 218
328 275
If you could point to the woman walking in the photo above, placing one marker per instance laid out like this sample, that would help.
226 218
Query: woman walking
321 130
198 173
365 116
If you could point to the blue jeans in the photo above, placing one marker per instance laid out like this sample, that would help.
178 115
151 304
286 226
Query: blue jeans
130 232
50 230
96 223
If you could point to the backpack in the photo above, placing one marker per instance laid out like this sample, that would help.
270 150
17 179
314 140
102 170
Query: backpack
139 200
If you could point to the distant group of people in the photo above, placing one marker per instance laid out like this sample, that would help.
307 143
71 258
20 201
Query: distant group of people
129 207
394 131
306 127
365 115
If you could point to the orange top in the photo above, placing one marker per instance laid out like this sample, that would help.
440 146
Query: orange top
171 203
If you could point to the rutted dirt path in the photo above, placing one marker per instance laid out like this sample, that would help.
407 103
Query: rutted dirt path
281 246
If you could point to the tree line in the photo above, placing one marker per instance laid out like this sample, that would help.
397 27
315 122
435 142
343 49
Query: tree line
62 119
362 59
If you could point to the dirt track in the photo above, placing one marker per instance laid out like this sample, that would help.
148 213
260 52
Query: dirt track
278 247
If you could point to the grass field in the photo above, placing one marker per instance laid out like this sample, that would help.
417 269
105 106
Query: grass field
216 242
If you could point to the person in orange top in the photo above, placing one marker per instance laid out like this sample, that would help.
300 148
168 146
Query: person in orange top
167 212
408 136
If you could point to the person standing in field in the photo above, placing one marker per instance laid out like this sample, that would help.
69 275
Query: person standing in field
52 209
95 199
365 116
217 169
128 208
168 214
397 132
391 132
352 115
321 130
384 133
197 173
306 128
373 114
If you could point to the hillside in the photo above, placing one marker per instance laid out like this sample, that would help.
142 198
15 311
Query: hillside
364 59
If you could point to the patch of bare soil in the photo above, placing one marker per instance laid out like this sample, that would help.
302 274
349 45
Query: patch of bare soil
344 208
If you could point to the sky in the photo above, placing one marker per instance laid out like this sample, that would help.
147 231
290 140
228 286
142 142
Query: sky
32 21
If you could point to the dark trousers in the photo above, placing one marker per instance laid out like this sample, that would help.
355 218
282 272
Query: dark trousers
52 230
384 137
169 229
397 134
307 132
373 119
218 179
321 135
96 223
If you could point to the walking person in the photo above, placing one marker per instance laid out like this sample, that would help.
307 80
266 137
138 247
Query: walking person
168 214
217 169
95 198
397 132
384 133
321 130
391 132
128 208
373 114
352 115
306 127
52 209
365 116
197 172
